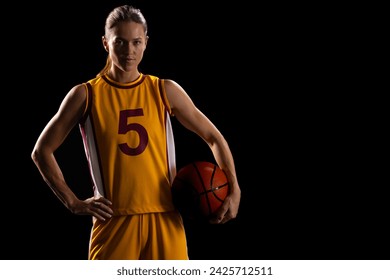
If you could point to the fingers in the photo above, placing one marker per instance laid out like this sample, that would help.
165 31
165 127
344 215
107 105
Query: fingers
100 208
221 219
103 200
222 215
225 213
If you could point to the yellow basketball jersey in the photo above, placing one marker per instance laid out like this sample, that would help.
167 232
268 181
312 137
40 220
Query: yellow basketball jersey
128 141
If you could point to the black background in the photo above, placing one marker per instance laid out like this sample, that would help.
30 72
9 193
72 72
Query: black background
275 79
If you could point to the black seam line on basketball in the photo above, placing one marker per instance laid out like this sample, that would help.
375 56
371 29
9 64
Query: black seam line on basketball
212 189
211 186
213 192
204 188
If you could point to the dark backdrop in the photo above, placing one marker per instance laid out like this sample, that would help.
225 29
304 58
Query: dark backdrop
269 76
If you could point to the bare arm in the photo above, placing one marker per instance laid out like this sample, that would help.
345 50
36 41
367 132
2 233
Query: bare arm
194 120
52 136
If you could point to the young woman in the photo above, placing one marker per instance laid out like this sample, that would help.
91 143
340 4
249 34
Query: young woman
124 119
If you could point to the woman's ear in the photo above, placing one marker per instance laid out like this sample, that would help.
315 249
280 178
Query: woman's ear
146 40
105 43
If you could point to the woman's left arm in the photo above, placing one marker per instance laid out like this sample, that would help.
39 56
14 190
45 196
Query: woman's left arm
194 120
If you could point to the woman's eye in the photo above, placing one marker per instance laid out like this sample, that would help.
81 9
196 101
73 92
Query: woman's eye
119 42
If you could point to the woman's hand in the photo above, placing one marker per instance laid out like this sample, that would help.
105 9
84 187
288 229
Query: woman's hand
228 209
98 207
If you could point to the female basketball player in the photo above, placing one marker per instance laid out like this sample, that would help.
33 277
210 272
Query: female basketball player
124 119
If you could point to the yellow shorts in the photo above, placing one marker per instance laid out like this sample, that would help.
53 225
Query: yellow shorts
151 236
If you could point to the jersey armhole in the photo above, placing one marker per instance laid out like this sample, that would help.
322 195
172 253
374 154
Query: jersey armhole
164 96
88 98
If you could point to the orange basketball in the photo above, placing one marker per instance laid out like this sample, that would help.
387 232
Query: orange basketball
199 189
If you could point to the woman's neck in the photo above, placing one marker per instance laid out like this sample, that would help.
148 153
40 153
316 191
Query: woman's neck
123 77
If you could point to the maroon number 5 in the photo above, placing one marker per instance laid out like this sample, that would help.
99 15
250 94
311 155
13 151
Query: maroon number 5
125 127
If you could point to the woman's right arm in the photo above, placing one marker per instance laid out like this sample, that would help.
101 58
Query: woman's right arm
52 136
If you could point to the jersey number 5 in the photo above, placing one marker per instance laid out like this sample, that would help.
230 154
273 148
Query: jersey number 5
125 127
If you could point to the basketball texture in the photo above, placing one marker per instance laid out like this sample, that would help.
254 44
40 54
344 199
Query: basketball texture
199 189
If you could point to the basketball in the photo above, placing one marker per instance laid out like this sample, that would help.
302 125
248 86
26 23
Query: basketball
199 189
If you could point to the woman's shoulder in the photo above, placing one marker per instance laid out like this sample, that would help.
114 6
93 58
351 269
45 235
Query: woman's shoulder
151 77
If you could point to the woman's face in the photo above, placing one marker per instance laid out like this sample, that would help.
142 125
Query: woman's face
126 44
